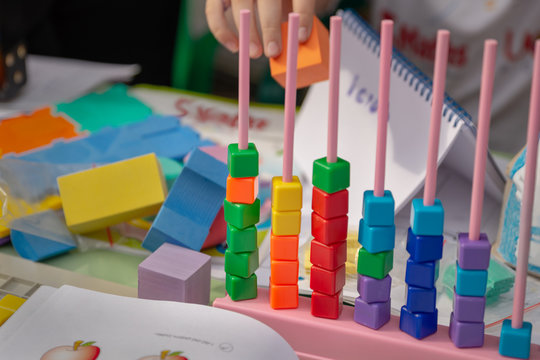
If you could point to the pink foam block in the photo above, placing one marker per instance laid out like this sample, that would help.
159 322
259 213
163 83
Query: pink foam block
317 338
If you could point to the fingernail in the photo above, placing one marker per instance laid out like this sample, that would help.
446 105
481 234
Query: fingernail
302 33
272 49
253 49
232 46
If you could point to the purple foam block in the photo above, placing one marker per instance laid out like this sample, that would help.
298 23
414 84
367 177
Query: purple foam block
466 334
469 308
5 240
175 273
473 255
374 290
372 315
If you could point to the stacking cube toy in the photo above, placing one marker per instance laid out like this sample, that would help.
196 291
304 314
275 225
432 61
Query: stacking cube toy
242 211
418 325
286 219
467 320
329 225
427 220
515 343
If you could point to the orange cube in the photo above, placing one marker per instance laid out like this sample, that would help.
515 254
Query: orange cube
284 247
242 190
313 57
283 296
284 272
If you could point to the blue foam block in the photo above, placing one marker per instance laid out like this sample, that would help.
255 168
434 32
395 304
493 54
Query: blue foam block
427 220
378 211
418 325
192 204
376 239
422 274
424 248
471 282
515 343
420 299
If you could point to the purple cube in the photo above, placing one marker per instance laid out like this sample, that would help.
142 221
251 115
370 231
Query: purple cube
469 308
466 334
374 290
175 273
372 315
473 255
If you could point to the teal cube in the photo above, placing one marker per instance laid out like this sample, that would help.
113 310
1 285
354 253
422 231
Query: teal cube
242 215
241 264
471 282
376 239
331 177
515 343
243 163
427 220
378 210
241 289
375 265
241 240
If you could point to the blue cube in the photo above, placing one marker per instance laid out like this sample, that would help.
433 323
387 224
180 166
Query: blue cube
421 300
418 325
515 342
376 239
471 282
378 210
424 248
421 274
427 220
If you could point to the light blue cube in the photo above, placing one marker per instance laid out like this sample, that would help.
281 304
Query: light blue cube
471 282
378 210
515 343
376 239
427 220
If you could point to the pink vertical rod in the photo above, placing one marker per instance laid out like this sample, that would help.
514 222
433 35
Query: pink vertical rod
243 80
528 195
484 116
387 29
290 96
439 79
333 93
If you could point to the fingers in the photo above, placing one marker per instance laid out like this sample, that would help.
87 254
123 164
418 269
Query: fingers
270 20
306 10
255 47
215 15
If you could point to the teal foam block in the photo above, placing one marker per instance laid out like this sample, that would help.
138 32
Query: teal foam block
378 210
427 220
171 169
192 204
515 343
40 236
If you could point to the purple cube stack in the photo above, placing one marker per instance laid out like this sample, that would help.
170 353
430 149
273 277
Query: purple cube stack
467 319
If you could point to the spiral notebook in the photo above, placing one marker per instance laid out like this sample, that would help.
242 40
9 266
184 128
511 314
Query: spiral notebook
407 142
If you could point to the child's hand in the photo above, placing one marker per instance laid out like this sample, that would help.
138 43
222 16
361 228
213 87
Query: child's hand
271 14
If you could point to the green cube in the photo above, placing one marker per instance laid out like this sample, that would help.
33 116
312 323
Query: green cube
243 163
241 240
241 289
331 177
375 265
241 264
242 215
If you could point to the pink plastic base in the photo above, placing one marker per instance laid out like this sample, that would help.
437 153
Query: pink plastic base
318 338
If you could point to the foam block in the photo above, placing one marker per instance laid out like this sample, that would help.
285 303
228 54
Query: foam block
286 196
97 198
326 306
175 273
286 223
241 240
329 231
330 205
473 255
11 302
4 315
331 177
427 220
373 315
313 57
284 247
328 282
378 210
471 282
242 190
374 290
515 343
284 272
424 248
421 274
328 257
421 300
466 334
239 288
375 265
418 325
283 296
242 215
243 163
469 308
241 264
376 239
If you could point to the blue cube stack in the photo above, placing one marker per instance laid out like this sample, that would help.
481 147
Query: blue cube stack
424 245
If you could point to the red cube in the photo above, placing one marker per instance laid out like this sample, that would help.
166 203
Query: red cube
330 205
328 282
329 231
326 306
328 257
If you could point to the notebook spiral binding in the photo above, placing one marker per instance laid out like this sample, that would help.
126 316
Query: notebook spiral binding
406 70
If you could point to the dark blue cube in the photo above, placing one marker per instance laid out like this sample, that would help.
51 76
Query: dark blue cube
421 300
424 248
418 325
422 275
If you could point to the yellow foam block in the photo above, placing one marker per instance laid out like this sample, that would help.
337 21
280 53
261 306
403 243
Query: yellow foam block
286 222
97 198
11 302
286 196
4 315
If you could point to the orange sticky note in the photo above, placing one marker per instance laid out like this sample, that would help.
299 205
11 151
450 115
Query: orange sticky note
313 57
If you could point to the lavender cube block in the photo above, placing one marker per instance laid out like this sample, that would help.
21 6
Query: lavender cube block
372 315
175 273
473 254
469 308
374 290
466 334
